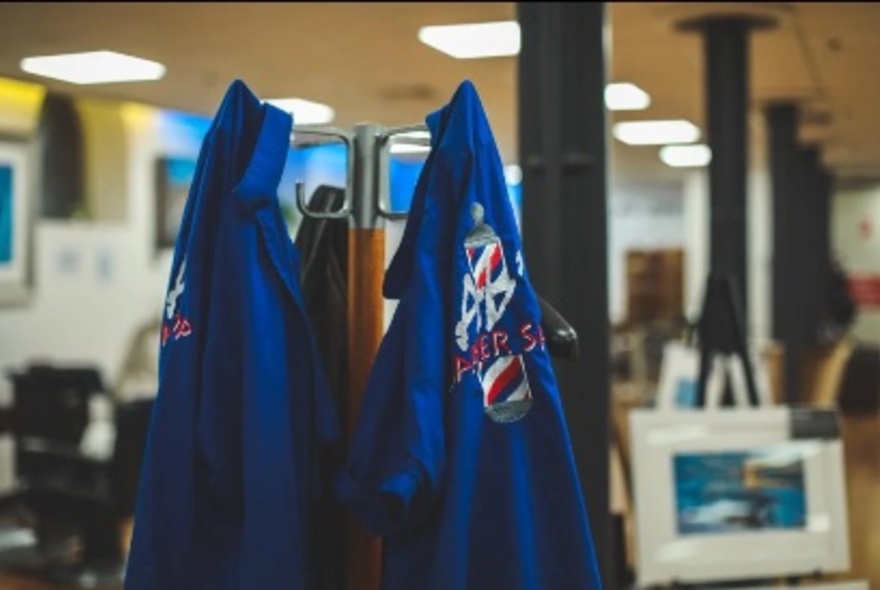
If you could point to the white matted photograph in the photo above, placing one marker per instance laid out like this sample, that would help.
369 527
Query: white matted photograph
729 495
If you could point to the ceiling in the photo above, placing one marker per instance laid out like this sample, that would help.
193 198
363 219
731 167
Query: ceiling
365 60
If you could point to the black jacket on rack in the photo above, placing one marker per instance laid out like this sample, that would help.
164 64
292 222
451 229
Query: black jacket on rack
323 247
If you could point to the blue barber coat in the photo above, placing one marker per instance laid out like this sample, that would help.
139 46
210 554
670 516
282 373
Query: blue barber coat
461 458
230 469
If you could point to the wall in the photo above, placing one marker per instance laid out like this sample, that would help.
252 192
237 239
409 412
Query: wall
855 224
19 107
97 281
104 156
640 217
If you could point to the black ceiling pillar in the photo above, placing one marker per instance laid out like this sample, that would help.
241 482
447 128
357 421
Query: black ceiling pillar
562 144
785 172
801 242
727 91
726 51
824 192
815 254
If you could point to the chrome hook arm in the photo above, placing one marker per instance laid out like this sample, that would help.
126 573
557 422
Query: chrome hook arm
383 186
345 210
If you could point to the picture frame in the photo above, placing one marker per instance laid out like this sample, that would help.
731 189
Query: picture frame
736 494
16 222
174 176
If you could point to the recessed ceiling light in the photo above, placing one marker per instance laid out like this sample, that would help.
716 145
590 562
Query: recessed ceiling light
412 142
473 40
626 96
93 67
686 156
305 112
656 132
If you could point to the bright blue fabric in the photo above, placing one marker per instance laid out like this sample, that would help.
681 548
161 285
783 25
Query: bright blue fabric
468 493
230 471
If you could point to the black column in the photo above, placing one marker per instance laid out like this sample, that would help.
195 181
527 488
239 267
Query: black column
725 46
727 92
815 255
824 192
782 121
562 143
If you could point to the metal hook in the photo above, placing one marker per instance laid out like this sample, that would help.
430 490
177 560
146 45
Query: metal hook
341 213
345 210
382 185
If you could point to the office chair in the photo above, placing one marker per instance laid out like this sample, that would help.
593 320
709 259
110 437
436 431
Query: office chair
70 494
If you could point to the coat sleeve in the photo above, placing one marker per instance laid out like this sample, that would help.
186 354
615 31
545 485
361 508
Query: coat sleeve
395 466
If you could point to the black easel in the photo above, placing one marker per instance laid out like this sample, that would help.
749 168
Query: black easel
721 329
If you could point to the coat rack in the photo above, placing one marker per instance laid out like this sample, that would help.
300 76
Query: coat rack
366 205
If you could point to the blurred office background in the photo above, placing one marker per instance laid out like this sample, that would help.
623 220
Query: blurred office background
93 178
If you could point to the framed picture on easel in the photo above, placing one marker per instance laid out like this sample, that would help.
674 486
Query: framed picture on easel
740 494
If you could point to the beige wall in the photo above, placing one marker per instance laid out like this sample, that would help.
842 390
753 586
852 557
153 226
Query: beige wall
860 255
106 167
19 107
87 309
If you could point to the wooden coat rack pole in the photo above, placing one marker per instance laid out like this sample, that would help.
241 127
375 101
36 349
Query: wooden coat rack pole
366 194
366 267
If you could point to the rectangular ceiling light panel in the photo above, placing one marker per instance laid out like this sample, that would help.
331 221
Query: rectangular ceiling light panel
474 40
686 156
656 132
626 96
93 67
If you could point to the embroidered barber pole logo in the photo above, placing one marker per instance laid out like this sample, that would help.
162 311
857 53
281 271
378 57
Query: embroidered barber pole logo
488 266
506 393
487 290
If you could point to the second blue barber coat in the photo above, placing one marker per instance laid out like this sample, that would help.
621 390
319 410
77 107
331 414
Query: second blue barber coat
461 458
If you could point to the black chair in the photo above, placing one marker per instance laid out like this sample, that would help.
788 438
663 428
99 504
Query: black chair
70 495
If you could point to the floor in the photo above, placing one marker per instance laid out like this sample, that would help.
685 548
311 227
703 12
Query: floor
862 451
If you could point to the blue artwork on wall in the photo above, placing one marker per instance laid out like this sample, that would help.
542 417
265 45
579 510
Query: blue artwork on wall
6 213
15 224
174 177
